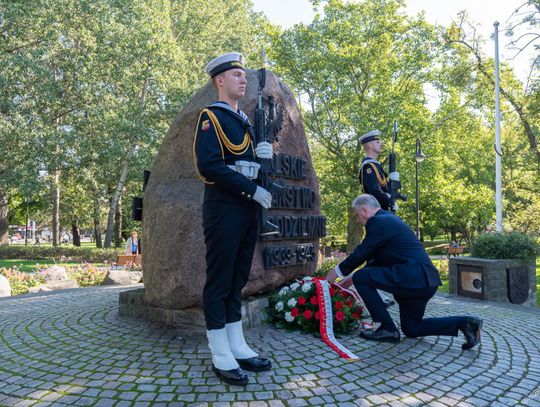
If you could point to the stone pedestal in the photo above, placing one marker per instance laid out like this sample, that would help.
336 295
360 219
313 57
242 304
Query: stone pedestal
133 304
505 280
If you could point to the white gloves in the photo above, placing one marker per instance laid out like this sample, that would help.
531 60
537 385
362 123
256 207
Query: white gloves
394 176
264 150
263 197
395 206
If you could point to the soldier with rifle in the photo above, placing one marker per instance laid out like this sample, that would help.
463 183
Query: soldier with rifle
225 159
373 178
375 182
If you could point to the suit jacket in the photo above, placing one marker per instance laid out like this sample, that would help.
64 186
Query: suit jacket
223 137
393 254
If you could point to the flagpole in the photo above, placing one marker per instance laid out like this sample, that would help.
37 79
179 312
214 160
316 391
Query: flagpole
498 151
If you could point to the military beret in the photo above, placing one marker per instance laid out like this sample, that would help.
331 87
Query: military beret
224 62
372 135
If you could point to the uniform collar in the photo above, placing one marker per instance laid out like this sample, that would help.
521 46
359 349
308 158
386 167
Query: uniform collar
227 107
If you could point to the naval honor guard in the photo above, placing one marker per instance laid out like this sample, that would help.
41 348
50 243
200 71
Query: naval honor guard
224 155
372 177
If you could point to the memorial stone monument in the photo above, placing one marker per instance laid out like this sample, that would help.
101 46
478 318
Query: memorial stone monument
174 250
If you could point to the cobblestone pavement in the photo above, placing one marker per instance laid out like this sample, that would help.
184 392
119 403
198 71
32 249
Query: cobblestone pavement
71 348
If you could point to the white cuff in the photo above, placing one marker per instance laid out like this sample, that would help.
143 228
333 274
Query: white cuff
338 272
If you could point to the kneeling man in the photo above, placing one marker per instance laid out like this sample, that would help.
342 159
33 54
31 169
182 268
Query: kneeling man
397 263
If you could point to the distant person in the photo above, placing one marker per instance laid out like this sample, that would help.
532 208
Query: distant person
397 263
38 242
133 244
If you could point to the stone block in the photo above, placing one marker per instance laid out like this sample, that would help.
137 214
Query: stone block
494 278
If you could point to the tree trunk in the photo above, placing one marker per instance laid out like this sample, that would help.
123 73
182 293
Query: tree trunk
116 196
97 222
118 224
4 218
56 208
75 231
354 232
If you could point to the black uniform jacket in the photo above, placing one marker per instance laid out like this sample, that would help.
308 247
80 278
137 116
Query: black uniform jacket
374 181
392 248
223 137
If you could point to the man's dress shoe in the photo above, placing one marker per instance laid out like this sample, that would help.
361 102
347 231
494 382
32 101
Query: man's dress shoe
255 364
381 335
471 331
234 376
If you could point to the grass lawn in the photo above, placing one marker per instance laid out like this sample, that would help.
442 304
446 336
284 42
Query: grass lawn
29 266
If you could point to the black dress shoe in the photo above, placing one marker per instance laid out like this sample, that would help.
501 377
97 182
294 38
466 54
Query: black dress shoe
471 331
255 364
234 376
381 335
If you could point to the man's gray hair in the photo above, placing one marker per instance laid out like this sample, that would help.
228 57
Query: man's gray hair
365 201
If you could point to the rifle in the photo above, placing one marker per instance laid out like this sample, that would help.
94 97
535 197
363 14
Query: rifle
395 183
266 129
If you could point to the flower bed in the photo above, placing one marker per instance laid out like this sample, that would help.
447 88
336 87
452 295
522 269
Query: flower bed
296 306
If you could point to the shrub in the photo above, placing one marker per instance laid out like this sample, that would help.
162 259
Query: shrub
20 282
89 254
297 307
442 266
505 246
329 263
86 275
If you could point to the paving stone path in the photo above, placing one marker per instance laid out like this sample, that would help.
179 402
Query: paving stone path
71 348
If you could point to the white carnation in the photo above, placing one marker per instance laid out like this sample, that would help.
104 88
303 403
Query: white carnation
289 317
306 287
292 302
284 290
307 278
294 286
279 306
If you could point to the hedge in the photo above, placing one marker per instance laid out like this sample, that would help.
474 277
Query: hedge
88 254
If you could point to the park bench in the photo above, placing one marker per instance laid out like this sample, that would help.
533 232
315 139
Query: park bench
129 260
455 250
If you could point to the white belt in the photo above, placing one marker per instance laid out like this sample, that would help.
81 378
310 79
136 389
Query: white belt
248 169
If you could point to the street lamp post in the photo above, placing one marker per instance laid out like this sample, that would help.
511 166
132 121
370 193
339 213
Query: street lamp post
26 227
419 157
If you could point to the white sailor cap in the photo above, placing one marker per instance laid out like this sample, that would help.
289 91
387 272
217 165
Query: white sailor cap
224 62
372 135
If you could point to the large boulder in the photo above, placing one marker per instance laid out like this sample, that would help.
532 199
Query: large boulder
5 287
174 249
122 277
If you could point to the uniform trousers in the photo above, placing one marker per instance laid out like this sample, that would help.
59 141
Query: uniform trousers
412 306
230 233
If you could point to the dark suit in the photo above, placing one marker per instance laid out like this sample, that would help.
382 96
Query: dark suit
229 213
397 263
374 181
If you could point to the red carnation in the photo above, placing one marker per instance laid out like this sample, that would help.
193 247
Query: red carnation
295 312
339 316
314 300
339 305
317 315
301 300
349 303
355 315
307 314
332 291
344 294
